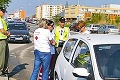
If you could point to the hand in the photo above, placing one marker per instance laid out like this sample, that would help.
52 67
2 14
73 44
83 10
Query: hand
8 34
53 42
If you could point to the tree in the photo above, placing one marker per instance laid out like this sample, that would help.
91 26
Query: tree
4 3
56 19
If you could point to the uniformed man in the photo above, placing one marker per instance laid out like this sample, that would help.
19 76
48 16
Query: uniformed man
61 34
4 50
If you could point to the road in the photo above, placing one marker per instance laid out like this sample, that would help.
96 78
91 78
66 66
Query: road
21 59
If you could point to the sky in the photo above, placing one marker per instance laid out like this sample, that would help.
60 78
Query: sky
30 5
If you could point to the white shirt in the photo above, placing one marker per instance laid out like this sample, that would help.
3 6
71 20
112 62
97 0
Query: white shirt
1 25
61 30
52 48
41 40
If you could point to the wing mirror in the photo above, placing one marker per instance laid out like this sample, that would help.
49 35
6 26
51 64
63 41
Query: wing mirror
80 72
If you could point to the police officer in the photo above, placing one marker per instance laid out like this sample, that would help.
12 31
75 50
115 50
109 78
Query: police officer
4 50
61 33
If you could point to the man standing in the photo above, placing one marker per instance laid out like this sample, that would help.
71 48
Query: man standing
4 50
61 33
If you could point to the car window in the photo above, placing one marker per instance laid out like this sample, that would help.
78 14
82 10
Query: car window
81 58
67 51
108 59
114 27
17 27
96 25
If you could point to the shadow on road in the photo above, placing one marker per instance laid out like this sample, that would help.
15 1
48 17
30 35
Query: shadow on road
17 69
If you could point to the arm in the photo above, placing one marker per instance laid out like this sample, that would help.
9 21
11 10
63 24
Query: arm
7 33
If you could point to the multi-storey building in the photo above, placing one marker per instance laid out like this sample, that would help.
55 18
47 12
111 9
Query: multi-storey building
83 12
48 11
19 14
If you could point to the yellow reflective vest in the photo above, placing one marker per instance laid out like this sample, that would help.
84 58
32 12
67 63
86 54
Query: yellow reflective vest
2 36
57 34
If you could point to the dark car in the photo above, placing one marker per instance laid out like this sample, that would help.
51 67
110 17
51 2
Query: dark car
18 32
74 27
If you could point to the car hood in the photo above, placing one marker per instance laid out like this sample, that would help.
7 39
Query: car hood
18 32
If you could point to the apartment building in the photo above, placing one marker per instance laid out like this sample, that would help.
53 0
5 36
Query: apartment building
19 14
48 11
83 12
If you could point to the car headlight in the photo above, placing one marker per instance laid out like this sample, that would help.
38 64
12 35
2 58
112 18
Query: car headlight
26 36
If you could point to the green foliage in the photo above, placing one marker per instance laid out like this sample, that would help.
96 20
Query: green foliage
67 25
56 19
5 3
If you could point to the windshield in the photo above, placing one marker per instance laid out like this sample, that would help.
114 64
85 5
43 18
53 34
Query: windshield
108 60
17 27
113 27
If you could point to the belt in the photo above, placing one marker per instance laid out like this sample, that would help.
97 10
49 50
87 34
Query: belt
3 39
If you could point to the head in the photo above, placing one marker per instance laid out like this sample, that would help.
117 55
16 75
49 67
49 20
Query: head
81 25
50 25
62 22
2 11
43 24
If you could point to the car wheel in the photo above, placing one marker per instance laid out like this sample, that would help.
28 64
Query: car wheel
104 32
56 77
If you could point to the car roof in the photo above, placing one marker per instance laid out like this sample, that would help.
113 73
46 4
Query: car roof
95 39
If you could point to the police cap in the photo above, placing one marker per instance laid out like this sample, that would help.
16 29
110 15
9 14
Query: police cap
62 19
3 9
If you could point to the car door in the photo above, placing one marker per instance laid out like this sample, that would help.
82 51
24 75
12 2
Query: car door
65 55
81 58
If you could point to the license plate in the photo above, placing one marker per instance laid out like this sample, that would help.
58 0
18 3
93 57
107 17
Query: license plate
19 38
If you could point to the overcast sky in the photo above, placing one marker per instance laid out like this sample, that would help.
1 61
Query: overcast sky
29 5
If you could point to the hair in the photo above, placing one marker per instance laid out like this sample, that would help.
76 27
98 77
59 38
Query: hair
81 24
49 22
43 24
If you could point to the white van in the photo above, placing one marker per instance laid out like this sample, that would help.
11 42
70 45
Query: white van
89 57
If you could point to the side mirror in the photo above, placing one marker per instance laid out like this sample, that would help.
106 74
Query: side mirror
80 72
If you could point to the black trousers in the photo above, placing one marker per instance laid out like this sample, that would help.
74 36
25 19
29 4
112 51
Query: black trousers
57 52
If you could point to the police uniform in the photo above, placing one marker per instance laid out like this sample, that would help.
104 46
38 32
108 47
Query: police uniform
60 36
4 50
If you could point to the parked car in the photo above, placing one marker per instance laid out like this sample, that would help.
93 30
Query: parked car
18 32
108 29
89 57
92 27
74 27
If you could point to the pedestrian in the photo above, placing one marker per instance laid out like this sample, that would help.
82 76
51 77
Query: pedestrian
61 34
50 26
81 27
42 41
4 49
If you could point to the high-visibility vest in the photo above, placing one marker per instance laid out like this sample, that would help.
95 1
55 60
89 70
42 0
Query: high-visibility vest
2 36
57 34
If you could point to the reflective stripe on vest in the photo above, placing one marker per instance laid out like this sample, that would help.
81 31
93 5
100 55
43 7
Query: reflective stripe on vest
2 36
57 34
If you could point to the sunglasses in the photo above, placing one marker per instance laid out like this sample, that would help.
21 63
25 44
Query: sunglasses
52 25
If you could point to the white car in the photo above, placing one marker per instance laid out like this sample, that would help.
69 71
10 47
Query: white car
92 27
89 57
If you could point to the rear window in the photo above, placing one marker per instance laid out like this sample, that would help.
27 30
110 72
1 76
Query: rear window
114 27
96 25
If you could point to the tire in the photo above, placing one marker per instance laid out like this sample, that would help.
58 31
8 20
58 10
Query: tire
104 32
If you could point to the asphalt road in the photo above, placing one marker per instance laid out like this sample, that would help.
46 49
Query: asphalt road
21 59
